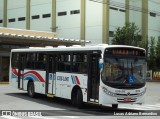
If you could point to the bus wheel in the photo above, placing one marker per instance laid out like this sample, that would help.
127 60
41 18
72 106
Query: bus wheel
79 99
31 92
74 100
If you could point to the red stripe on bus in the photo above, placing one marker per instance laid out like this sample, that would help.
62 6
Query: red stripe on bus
36 74
77 80
15 72
32 72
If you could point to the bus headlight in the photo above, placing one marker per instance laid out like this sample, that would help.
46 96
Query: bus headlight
140 94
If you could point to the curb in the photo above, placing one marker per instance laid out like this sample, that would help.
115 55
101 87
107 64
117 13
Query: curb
4 82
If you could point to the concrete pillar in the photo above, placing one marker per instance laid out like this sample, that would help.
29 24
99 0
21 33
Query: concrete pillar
105 22
127 11
54 16
28 12
82 23
5 13
145 20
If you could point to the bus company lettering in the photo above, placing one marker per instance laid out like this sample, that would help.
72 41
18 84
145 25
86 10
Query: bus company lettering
62 78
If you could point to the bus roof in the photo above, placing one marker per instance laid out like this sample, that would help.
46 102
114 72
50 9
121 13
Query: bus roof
73 48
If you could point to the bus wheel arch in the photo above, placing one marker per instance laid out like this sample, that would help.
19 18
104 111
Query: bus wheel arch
77 97
31 88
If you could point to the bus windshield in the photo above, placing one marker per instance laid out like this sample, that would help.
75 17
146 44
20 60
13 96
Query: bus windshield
124 71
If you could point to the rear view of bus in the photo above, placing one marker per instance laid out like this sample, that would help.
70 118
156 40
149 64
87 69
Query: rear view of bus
123 71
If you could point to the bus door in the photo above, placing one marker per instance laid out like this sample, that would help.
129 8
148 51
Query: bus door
93 77
21 70
51 70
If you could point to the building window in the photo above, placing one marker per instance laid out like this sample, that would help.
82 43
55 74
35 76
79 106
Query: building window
1 21
113 8
62 13
35 17
21 18
46 15
121 10
152 14
75 12
12 20
111 33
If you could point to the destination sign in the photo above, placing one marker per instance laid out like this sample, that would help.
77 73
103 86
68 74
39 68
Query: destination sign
124 51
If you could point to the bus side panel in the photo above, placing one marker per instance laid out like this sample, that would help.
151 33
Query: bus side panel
83 84
25 83
14 77
66 81
63 85
39 80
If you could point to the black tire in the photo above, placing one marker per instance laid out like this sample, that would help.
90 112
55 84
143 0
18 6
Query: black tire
79 99
74 102
31 90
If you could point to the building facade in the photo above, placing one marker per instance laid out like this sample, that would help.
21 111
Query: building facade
94 20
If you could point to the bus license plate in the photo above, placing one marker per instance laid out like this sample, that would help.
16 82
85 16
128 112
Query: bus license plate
127 99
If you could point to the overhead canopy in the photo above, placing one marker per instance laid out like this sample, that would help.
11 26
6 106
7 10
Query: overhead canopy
33 38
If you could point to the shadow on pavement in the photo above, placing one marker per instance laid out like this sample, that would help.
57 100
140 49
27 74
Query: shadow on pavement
66 105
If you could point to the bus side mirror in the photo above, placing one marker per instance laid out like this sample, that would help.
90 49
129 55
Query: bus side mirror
101 62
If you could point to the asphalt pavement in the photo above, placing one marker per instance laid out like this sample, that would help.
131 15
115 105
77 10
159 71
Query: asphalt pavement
17 102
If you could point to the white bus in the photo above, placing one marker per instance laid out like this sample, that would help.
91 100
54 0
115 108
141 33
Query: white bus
102 74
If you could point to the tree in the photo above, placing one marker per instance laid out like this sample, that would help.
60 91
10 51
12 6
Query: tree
128 35
158 53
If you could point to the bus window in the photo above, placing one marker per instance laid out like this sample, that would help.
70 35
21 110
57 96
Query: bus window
29 61
40 62
80 63
15 60
64 63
